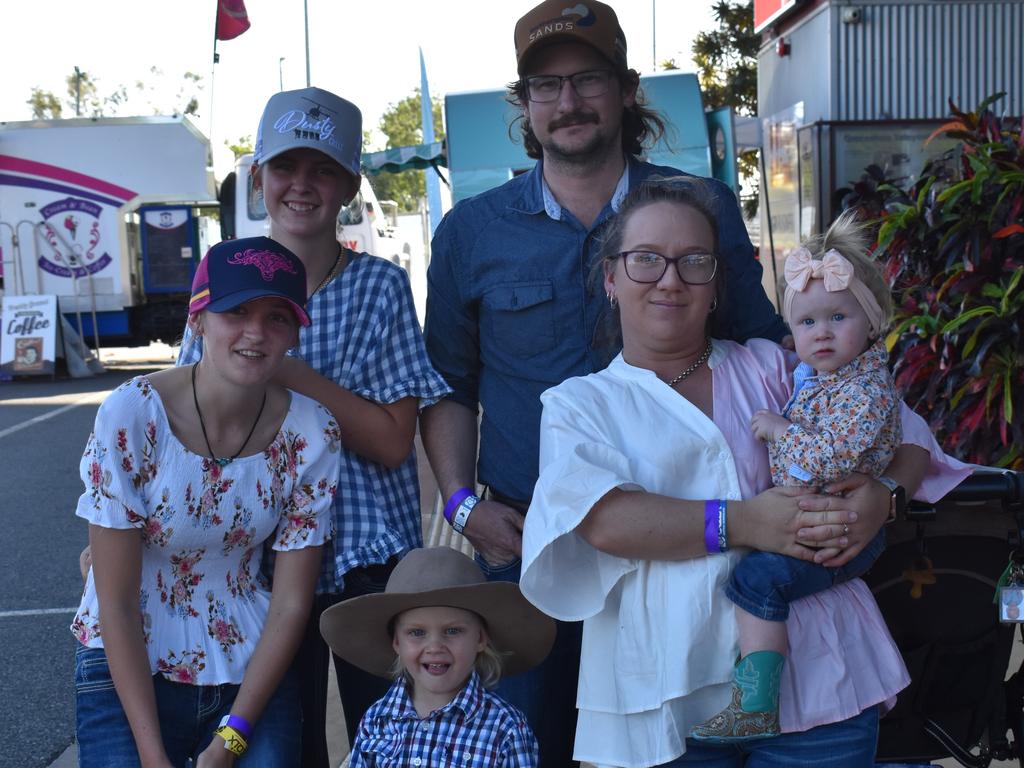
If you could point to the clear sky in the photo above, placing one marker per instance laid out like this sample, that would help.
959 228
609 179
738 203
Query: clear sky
366 51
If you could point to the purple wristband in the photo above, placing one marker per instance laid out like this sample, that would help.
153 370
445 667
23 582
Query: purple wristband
711 525
453 503
239 723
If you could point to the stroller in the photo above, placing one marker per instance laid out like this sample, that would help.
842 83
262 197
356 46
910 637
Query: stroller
935 585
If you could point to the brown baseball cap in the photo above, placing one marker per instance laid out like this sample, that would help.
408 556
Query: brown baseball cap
592 23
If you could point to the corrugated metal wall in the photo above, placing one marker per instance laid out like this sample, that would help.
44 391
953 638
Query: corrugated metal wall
903 61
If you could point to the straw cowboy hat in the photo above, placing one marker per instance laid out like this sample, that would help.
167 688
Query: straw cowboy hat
358 630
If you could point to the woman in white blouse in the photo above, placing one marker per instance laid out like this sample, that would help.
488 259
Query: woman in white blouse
610 540
183 649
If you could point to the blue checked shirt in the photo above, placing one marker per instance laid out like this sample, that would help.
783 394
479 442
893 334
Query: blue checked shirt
365 336
476 729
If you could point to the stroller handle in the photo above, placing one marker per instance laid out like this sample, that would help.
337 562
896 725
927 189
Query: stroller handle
988 484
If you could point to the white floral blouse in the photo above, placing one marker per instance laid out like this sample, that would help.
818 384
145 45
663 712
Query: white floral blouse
203 526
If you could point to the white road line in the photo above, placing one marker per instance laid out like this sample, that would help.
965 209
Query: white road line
35 612
90 399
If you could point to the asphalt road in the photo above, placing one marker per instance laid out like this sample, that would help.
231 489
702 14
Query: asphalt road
39 581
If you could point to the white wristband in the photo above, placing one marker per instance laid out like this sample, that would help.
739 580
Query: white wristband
461 516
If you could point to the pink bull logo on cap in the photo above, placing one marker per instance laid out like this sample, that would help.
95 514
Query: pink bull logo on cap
267 262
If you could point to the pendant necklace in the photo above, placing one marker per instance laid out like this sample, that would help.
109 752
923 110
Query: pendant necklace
202 424
700 361
330 273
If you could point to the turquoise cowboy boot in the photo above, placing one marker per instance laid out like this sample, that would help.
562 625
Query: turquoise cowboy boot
753 712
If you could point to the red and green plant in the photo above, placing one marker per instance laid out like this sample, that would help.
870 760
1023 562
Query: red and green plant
952 246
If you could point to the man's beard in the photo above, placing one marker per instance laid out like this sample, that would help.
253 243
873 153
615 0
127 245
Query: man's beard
596 149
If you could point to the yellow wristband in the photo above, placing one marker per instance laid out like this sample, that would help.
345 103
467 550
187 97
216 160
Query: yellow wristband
234 742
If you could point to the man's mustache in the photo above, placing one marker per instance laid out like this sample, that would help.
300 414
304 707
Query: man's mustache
572 118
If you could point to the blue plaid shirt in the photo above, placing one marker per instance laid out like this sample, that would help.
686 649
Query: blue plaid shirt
365 337
476 729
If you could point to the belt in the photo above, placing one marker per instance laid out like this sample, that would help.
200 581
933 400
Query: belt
518 506
377 571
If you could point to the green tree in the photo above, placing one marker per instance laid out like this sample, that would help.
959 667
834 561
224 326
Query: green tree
83 94
401 124
84 97
726 59
240 146
45 105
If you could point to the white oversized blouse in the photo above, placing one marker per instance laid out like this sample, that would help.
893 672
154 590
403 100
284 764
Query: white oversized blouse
659 637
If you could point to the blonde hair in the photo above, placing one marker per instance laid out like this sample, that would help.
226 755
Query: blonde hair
849 237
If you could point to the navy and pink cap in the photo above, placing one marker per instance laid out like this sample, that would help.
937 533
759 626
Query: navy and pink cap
236 271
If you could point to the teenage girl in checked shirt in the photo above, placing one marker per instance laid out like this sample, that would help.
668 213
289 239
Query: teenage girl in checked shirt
843 417
446 635
362 357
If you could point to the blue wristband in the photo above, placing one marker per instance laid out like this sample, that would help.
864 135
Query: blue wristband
453 502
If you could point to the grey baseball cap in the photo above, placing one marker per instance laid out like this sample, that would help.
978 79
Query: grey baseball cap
313 118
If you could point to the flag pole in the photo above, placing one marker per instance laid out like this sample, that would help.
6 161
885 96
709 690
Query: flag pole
213 68
427 127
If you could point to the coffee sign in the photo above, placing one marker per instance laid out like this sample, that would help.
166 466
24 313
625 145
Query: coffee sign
28 343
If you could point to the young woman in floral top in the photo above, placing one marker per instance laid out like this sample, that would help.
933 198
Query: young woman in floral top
184 650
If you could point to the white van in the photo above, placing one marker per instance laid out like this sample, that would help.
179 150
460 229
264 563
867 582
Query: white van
363 225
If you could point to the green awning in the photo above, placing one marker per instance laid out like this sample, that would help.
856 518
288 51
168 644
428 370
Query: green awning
400 159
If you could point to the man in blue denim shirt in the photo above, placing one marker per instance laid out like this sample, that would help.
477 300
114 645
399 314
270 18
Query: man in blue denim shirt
513 306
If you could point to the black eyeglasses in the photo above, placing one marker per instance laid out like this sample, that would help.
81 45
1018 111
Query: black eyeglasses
650 267
546 88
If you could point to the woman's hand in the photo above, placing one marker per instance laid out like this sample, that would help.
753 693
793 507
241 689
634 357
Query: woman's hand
772 520
215 756
849 521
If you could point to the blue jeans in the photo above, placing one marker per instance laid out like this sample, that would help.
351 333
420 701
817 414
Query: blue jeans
358 689
764 583
847 744
546 694
187 713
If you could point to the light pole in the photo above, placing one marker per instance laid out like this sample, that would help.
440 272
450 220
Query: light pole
280 74
654 36
305 13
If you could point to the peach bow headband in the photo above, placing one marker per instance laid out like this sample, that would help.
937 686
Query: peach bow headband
837 273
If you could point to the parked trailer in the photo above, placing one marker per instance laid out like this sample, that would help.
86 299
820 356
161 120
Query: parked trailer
110 215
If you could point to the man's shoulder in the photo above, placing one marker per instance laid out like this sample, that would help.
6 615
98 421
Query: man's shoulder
492 202
646 170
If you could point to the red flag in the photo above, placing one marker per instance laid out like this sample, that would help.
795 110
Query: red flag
232 19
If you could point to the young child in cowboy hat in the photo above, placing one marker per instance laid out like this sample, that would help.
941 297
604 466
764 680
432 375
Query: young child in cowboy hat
445 634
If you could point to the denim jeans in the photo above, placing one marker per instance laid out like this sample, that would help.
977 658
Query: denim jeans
846 744
764 583
546 694
188 715
358 689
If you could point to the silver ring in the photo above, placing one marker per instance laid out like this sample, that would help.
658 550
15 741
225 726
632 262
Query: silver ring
846 529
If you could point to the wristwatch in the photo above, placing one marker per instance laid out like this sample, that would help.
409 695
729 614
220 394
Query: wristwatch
897 498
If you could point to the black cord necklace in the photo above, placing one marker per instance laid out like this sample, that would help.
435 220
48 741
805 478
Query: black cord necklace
202 424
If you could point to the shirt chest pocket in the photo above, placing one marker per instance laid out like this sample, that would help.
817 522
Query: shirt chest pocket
519 318
389 753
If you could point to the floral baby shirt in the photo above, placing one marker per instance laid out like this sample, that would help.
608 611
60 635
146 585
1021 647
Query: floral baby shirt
846 421
203 526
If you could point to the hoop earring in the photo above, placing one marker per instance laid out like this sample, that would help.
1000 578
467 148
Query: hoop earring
613 302
714 304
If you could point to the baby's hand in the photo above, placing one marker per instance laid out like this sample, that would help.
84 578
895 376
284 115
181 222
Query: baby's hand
768 426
